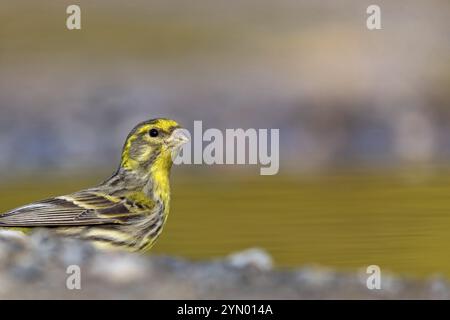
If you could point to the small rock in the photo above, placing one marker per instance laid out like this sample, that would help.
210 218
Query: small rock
438 287
255 258
120 269
11 244
12 235
316 276
76 252
44 245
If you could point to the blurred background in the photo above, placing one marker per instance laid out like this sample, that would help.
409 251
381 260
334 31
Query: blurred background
364 119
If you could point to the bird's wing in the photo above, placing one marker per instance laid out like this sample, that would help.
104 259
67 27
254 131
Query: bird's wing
78 209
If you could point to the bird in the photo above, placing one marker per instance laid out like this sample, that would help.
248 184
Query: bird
128 210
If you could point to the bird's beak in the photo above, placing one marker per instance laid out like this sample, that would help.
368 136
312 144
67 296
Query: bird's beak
178 138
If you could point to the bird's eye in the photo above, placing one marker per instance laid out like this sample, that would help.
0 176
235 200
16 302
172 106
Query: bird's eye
153 133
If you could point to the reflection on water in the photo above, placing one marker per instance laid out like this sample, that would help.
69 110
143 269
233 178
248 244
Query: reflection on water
340 220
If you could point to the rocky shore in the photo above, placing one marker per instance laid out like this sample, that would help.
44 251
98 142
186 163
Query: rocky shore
44 267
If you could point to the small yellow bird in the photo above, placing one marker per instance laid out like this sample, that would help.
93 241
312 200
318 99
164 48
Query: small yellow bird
129 209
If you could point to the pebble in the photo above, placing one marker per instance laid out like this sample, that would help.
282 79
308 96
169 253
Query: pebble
255 258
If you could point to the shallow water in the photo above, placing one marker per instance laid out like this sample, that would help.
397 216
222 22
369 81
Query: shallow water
399 221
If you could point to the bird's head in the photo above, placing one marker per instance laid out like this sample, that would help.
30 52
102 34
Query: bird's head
152 145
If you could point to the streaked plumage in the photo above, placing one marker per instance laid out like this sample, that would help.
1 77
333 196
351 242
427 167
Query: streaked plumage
129 209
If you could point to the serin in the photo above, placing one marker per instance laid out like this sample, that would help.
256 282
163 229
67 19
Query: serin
129 209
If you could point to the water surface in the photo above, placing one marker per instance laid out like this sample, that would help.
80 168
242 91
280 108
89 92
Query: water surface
399 221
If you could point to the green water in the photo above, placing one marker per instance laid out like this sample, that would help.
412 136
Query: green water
399 221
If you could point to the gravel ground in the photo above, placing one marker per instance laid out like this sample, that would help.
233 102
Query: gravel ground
38 267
